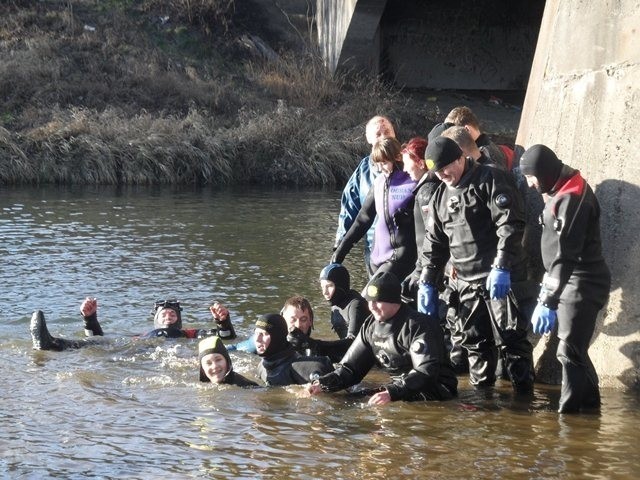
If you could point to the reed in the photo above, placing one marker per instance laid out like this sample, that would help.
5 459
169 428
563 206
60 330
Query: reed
106 93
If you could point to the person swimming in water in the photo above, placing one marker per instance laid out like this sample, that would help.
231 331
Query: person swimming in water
215 364
167 322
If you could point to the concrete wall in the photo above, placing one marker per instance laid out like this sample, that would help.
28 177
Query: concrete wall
348 33
583 101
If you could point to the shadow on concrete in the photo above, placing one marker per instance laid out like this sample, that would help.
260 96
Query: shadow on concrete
621 250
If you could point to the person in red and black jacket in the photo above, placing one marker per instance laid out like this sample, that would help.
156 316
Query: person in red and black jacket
576 284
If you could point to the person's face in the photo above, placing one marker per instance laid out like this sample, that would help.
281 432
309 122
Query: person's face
215 367
385 167
168 316
382 311
532 181
379 130
300 319
413 165
262 339
451 174
328 289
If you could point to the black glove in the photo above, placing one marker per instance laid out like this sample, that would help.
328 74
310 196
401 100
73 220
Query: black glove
410 287
299 340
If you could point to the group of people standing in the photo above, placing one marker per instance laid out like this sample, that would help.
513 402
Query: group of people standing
483 240
456 237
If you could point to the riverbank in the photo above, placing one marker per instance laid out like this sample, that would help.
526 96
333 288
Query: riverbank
220 93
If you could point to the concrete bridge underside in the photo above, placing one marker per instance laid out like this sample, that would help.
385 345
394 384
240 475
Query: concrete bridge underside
448 44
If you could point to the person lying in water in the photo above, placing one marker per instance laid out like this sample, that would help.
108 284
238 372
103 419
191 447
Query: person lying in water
215 364
167 321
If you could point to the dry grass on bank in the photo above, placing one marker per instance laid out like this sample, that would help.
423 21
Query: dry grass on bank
102 93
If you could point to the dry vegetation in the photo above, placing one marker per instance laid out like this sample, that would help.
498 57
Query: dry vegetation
151 91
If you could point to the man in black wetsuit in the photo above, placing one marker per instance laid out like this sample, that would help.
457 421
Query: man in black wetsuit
215 364
576 284
281 364
167 321
298 314
476 222
407 344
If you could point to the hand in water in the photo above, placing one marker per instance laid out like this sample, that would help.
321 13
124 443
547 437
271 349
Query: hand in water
380 398
313 388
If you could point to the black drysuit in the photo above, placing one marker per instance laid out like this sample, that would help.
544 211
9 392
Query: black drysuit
477 225
576 282
410 347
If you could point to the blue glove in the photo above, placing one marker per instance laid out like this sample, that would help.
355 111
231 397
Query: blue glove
498 283
543 319
428 299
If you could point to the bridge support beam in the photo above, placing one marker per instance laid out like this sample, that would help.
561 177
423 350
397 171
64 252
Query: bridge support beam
583 101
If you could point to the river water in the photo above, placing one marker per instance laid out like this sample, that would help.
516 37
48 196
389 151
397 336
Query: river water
135 409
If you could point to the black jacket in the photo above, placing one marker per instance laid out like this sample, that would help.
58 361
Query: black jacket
423 192
478 224
571 245
289 367
410 347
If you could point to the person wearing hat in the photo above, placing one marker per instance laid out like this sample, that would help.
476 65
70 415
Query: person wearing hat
390 204
476 222
298 314
437 130
281 364
576 284
405 343
215 364
167 322
360 182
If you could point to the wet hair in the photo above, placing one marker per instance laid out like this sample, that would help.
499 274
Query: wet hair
462 116
300 302
416 147
386 150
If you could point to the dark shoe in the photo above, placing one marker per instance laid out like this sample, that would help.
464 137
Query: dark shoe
42 339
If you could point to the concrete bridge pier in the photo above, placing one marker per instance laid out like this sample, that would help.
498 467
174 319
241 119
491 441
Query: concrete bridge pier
583 101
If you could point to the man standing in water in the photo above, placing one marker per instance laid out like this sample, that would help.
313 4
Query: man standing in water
476 222
576 284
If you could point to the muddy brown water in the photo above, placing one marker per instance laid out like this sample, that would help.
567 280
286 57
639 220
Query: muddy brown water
135 409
